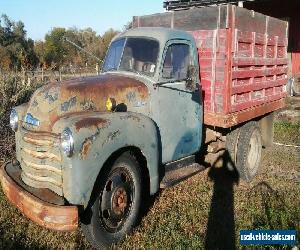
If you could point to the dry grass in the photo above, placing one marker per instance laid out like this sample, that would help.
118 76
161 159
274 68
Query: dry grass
210 209
207 210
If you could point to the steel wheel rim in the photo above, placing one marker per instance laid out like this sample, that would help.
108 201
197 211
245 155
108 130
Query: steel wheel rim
254 152
116 200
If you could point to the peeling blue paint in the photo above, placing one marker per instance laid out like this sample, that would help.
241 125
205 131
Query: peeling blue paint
131 96
69 104
51 98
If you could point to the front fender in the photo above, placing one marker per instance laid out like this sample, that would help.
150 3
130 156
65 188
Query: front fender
96 137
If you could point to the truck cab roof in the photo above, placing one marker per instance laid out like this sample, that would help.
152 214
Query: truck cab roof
161 34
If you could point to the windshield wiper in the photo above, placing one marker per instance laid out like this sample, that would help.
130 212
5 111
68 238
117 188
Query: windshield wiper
166 82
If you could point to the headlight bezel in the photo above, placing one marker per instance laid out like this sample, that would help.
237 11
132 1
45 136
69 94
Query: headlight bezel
14 119
67 142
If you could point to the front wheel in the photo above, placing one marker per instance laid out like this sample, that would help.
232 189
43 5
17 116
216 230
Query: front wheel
116 207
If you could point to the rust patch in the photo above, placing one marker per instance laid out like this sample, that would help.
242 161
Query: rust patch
230 120
90 122
112 83
42 135
42 155
86 146
37 142
99 88
40 138
88 94
60 218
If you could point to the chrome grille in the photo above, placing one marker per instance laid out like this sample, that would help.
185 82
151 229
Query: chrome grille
40 160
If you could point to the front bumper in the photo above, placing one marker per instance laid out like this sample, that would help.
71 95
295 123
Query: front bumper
56 217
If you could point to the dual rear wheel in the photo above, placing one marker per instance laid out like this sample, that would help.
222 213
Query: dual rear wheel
244 145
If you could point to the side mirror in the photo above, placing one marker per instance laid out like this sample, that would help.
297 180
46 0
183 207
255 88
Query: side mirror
192 78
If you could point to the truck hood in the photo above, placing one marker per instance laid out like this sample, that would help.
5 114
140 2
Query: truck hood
56 100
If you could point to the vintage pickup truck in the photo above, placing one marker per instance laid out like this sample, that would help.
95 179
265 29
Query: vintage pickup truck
177 85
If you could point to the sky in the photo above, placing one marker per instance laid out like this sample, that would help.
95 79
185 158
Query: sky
39 16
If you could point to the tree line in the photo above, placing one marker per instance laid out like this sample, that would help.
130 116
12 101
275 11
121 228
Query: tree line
17 52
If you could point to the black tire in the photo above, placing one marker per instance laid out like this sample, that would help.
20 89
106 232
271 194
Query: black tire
116 206
289 87
249 148
296 85
231 146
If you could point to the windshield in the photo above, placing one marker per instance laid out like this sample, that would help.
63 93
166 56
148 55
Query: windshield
132 54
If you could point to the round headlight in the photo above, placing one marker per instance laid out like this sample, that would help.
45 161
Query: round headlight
67 142
13 120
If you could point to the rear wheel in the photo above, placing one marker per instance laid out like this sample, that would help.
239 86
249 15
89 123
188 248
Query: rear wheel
296 85
115 210
249 148
231 146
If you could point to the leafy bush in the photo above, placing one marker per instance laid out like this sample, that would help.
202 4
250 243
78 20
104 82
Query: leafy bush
15 89
7 143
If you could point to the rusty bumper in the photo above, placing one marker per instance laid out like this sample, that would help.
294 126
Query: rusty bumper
60 218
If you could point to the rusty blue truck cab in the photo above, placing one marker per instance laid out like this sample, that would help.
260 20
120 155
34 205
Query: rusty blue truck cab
93 148
70 130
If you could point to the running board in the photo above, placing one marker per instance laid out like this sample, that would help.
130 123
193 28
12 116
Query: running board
179 171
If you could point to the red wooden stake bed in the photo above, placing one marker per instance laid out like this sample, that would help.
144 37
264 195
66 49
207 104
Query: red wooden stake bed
242 56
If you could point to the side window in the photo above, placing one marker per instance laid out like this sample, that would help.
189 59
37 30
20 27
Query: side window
176 62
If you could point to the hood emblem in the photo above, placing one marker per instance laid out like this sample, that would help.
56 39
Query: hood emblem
29 119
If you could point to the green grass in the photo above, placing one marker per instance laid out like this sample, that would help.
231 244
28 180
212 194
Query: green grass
286 132
206 210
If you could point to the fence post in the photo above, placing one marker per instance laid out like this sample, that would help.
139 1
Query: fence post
97 68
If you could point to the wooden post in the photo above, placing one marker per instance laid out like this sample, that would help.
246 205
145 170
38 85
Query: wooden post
97 68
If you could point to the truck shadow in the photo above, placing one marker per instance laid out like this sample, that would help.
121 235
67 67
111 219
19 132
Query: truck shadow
220 230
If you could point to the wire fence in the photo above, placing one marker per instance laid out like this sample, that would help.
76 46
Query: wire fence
41 75
17 87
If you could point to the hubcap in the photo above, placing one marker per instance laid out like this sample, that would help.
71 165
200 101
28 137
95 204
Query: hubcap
116 199
120 201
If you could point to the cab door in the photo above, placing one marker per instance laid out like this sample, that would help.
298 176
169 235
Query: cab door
180 110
